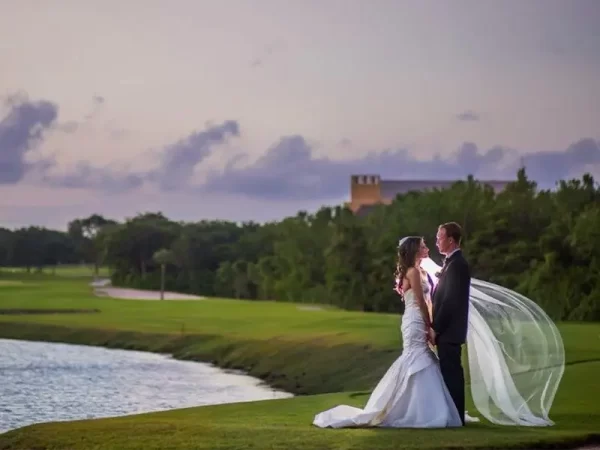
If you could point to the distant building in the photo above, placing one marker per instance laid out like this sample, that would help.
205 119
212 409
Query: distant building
367 191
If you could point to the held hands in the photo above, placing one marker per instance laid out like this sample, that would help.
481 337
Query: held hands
431 336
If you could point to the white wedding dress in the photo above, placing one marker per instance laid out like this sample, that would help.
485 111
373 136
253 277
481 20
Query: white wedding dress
516 362
412 393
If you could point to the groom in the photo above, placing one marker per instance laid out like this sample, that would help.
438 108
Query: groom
450 311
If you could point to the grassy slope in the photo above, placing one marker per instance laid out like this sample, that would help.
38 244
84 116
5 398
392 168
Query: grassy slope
299 350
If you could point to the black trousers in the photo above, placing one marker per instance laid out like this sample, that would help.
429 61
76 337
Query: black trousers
453 373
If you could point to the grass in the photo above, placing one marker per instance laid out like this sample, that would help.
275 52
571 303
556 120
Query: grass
329 352
64 270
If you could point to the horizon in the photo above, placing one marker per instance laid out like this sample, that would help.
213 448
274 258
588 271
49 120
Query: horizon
241 222
221 111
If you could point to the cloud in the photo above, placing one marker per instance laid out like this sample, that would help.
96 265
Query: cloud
20 130
286 170
181 158
497 160
468 116
108 179
26 121
548 167
290 170
174 172
67 127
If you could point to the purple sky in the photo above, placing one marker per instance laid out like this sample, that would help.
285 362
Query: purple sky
254 109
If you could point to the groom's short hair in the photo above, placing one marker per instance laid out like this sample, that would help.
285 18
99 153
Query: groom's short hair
453 230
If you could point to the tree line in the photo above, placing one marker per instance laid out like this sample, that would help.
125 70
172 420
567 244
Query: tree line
542 243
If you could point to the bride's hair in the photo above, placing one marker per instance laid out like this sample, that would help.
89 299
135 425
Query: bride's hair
408 250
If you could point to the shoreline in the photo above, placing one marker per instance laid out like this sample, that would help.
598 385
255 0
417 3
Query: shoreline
286 368
229 371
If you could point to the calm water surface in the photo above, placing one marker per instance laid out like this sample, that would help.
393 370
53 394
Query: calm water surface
44 382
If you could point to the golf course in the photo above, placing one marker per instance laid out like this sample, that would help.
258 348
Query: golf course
324 355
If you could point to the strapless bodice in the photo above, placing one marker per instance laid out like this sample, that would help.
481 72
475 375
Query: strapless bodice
414 331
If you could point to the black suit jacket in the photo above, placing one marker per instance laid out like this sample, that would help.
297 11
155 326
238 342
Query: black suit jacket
451 301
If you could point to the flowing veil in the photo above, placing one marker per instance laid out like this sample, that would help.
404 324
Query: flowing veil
516 354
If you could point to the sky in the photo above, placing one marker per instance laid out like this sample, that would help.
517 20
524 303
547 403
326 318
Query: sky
254 109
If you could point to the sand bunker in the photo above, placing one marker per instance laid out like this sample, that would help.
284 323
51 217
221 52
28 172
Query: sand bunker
102 288
310 308
11 283
100 283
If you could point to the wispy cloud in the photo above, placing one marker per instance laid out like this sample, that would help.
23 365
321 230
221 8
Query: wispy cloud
97 103
181 158
468 116
67 127
73 126
110 179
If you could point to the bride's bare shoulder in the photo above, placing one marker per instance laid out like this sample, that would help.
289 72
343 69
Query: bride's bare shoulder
413 273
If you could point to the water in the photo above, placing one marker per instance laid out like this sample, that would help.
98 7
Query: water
46 382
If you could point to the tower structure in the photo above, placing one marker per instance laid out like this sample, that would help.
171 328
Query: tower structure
369 190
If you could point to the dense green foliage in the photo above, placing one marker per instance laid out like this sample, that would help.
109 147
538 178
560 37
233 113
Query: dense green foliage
38 248
544 244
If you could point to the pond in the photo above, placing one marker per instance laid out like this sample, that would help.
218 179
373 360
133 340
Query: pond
44 382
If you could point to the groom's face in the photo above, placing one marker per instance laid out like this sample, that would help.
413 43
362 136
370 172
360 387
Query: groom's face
443 242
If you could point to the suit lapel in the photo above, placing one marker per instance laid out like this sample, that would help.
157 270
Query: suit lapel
443 271
453 256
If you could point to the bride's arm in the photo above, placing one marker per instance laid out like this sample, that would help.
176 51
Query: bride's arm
414 277
428 296
429 308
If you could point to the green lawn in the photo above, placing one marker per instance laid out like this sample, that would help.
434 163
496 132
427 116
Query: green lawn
303 351
64 270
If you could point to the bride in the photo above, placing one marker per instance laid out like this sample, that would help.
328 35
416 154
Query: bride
515 353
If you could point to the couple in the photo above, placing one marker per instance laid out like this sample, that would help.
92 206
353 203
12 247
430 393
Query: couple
516 355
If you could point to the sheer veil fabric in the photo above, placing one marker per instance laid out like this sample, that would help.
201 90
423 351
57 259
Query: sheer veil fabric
516 354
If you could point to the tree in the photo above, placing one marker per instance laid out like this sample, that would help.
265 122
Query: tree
163 257
542 243
88 237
